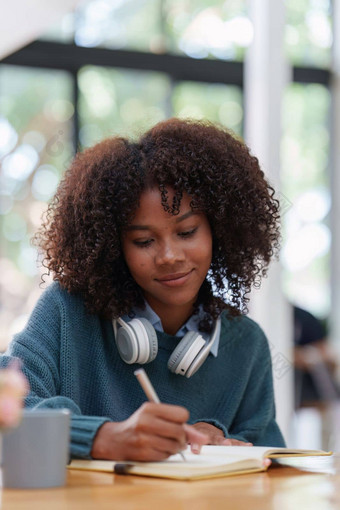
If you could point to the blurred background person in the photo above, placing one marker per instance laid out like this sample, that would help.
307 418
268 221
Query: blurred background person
314 360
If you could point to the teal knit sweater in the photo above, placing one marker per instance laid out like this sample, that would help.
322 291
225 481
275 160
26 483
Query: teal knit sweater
71 360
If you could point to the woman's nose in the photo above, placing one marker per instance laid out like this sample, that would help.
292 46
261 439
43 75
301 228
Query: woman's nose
169 253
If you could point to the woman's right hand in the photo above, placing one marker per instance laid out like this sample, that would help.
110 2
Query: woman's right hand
152 433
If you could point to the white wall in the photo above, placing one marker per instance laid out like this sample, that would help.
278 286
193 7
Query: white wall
23 21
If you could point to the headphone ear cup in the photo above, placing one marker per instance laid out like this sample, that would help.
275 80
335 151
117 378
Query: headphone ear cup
137 341
185 353
151 338
127 344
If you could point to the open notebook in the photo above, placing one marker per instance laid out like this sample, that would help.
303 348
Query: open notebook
213 461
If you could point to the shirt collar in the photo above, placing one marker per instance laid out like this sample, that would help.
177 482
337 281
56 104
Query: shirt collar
192 324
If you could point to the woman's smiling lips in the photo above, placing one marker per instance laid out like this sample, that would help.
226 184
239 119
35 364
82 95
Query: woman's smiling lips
174 280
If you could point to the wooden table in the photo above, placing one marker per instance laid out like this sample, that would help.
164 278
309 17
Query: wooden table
280 488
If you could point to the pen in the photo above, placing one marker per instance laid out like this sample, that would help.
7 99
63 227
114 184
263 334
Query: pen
149 390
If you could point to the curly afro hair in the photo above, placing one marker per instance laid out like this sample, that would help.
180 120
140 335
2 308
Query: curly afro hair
99 194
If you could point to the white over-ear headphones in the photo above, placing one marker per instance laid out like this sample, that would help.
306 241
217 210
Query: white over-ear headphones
137 343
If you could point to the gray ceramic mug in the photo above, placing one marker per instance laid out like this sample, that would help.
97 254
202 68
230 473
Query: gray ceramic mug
36 453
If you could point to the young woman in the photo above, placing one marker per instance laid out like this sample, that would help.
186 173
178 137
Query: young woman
154 247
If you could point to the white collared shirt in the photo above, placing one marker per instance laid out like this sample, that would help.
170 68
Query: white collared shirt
192 324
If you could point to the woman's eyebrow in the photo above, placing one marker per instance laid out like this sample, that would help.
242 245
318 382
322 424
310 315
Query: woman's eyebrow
147 227
185 216
137 227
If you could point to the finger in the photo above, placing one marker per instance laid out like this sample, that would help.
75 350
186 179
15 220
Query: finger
213 440
235 442
145 455
167 446
219 440
162 428
195 438
177 414
196 448
148 447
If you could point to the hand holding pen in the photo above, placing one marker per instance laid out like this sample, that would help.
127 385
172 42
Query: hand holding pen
152 396
149 390
152 433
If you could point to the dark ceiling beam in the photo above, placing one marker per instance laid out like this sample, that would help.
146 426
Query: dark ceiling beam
54 55
311 75
71 57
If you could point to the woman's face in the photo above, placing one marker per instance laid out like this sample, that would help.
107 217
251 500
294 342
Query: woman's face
168 256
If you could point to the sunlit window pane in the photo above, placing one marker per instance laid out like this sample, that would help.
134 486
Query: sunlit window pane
308 36
204 28
35 147
134 24
119 101
215 102
305 179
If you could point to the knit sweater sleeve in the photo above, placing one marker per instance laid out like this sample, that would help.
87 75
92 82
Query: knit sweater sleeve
38 347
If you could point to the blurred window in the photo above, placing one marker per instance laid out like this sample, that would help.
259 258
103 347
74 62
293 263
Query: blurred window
197 28
35 147
308 36
202 28
133 24
306 197
120 101
216 102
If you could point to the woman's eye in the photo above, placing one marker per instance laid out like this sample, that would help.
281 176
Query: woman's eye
143 244
188 233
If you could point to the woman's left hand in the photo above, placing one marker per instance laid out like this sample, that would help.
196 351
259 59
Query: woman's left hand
215 436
